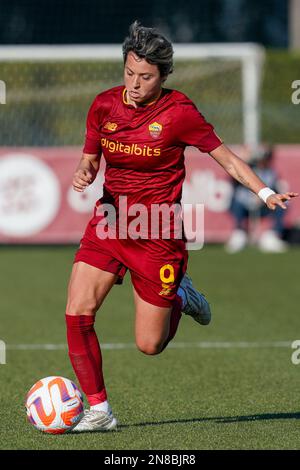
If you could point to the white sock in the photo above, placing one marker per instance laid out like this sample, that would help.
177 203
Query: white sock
182 295
104 406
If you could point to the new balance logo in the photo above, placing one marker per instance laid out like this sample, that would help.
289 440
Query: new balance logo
111 126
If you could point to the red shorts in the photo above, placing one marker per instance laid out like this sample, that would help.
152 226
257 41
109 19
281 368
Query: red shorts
156 266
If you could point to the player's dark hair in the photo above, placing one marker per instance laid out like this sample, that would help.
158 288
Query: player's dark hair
149 44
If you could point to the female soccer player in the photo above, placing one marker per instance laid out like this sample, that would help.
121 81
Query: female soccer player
142 130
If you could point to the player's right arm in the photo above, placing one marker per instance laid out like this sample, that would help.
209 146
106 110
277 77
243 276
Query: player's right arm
88 167
86 171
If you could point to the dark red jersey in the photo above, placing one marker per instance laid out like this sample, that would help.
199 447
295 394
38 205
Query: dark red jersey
144 146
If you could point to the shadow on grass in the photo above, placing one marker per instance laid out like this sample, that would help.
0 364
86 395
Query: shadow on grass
221 419
216 419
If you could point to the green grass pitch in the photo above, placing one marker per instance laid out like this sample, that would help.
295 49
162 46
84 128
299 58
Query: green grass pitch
240 395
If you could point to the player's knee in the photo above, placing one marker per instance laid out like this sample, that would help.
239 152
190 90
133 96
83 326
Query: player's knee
82 306
150 348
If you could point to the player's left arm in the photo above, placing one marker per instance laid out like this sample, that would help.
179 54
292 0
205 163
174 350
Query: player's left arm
242 173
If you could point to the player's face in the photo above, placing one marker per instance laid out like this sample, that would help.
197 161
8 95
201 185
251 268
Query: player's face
142 80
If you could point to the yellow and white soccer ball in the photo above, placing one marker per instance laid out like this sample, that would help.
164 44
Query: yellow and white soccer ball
54 405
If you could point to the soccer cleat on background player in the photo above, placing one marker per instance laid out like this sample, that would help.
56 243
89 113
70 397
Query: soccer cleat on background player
237 241
196 304
270 242
94 420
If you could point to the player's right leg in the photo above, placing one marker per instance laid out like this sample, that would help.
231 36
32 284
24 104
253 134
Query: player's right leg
88 288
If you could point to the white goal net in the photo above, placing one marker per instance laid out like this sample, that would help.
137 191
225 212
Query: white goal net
50 88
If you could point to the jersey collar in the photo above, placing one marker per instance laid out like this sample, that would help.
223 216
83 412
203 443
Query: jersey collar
125 101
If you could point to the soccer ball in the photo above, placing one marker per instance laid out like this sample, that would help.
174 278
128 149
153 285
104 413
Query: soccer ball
54 405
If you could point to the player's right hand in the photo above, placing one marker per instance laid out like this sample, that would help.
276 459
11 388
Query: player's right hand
81 180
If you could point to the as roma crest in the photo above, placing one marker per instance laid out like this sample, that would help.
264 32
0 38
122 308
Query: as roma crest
155 130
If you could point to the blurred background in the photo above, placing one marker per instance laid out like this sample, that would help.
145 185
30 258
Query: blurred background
236 59
69 21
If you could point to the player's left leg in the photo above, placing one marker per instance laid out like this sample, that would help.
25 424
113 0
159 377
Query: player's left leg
155 326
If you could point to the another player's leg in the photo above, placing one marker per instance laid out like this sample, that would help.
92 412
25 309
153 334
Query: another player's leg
87 289
239 238
193 302
270 240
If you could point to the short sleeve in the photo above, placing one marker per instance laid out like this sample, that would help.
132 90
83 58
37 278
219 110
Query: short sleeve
193 129
92 143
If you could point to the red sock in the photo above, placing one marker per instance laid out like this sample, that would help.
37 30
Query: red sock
174 320
85 356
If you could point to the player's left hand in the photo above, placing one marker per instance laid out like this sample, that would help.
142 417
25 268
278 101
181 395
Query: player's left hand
278 200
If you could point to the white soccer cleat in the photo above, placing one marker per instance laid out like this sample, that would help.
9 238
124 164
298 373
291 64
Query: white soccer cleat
237 241
196 303
94 420
270 242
